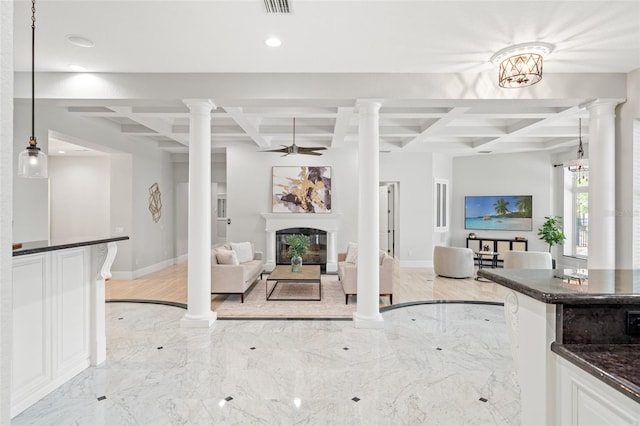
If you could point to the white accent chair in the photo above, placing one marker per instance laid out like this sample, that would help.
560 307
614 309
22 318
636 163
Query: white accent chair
514 259
348 276
453 262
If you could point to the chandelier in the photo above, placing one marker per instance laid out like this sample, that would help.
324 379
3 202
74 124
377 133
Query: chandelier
32 162
520 65
580 164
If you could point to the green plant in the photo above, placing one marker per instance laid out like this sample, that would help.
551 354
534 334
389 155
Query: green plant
551 231
298 245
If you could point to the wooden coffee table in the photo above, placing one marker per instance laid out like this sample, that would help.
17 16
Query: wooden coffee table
282 275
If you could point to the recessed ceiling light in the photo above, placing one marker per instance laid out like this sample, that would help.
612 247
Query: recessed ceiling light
78 68
273 42
80 41
61 152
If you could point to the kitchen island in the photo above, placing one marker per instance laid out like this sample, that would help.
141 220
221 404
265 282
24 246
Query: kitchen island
574 357
58 313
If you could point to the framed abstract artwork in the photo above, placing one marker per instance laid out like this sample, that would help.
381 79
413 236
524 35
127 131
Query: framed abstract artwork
301 189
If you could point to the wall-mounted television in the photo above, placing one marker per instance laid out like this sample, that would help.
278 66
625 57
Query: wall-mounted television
498 212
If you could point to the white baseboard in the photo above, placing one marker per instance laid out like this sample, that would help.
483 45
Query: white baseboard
153 268
132 275
416 263
121 275
182 258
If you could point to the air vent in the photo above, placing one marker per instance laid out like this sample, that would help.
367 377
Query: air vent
277 6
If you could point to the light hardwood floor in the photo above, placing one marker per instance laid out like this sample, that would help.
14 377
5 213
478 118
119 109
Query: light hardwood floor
411 285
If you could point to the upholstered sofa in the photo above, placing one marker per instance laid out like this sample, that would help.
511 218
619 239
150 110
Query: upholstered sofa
453 262
237 275
348 276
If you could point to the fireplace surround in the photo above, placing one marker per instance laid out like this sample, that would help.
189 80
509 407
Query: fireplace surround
317 253
327 222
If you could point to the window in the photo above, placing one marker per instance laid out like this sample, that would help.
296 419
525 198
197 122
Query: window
576 213
440 204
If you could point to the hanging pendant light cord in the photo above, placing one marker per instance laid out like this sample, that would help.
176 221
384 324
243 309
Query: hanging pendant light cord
33 71
580 149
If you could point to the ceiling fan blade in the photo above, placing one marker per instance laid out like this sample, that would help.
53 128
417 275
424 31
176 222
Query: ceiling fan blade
310 153
285 149
310 149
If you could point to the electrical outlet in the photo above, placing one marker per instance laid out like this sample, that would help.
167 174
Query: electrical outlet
633 323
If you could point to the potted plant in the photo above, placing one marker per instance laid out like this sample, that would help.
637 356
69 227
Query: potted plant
298 246
551 232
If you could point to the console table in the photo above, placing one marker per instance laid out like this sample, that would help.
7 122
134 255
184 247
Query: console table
498 245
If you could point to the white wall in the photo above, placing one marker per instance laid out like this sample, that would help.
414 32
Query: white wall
414 172
509 174
121 218
80 197
6 206
30 199
249 190
152 245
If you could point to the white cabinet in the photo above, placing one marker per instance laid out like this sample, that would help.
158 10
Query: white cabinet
585 400
51 303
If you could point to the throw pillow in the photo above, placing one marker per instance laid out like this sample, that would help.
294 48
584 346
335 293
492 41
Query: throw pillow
244 251
227 257
352 253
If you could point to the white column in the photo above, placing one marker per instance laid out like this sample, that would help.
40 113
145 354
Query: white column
602 182
270 263
332 252
367 313
199 312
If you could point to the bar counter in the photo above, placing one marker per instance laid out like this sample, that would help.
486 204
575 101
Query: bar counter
583 317
58 313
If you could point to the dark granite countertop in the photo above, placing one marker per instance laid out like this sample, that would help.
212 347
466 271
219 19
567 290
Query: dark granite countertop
613 364
44 246
552 286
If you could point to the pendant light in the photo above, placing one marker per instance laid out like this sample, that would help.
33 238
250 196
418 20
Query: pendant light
580 164
32 162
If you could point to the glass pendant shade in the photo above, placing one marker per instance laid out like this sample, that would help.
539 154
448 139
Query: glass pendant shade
32 162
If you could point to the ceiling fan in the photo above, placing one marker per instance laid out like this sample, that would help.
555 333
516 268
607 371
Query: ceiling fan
295 149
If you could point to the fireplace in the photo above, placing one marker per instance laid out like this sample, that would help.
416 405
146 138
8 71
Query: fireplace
317 253
325 222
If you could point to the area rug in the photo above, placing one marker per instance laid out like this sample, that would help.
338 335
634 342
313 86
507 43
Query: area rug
256 306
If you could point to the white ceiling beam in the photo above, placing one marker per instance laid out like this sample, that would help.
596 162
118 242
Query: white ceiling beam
341 127
158 125
248 126
440 124
528 127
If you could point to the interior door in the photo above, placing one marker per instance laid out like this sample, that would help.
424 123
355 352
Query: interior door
386 218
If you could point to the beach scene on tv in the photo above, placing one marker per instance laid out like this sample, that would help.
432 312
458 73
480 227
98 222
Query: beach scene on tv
502 213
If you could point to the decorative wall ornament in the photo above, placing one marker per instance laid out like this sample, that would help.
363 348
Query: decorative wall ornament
301 189
155 202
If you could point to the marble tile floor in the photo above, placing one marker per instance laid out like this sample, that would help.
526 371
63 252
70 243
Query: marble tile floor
431 364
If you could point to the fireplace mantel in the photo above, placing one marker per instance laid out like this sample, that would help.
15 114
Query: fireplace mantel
329 222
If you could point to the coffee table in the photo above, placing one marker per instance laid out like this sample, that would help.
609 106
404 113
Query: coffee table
282 274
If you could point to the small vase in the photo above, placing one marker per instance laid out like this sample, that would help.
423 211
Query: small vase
296 264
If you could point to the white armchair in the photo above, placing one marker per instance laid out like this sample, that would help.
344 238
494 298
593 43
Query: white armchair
514 259
453 262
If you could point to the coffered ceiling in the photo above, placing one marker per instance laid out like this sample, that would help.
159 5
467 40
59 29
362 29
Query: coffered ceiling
452 40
